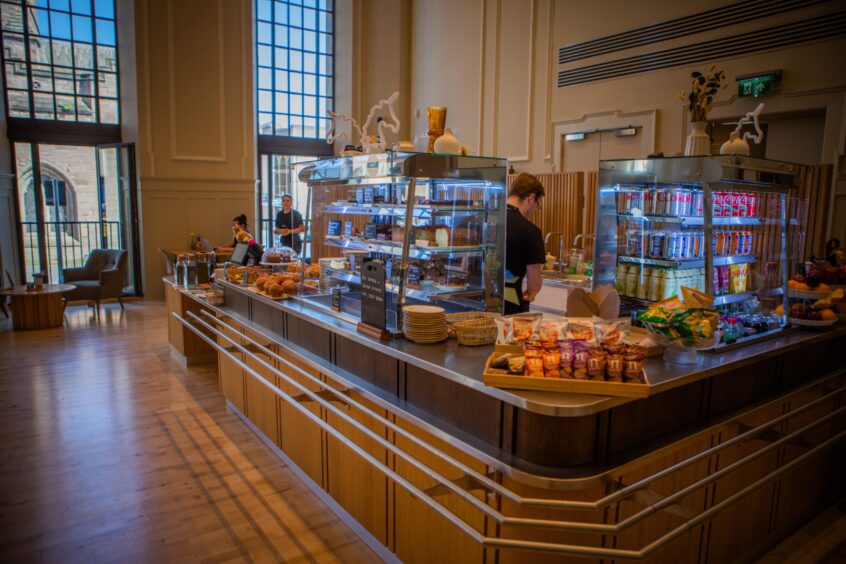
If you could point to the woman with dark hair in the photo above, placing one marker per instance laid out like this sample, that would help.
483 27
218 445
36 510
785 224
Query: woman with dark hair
239 224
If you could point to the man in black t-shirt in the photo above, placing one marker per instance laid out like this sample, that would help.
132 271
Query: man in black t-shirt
524 249
289 224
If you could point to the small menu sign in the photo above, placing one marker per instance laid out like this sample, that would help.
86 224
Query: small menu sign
336 299
370 231
414 275
373 306
348 229
368 196
334 229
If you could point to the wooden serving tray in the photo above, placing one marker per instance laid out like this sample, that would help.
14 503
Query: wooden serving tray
504 380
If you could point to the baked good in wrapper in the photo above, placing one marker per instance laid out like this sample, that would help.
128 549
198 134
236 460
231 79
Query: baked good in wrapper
552 331
581 330
523 326
613 332
504 333
517 365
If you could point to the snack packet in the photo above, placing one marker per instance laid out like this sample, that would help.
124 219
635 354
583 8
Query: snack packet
504 330
523 326
553 331
581 330
613 332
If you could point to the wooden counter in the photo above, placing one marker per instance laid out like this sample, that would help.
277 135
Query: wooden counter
537 445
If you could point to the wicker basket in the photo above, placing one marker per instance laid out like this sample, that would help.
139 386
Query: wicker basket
453 318
475 332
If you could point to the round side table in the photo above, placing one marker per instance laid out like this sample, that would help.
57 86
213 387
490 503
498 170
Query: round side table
37 309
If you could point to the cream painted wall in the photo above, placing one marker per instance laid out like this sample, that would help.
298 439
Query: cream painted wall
493 63
196 134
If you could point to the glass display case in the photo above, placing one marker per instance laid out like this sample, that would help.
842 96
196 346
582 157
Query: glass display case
716 224
436 223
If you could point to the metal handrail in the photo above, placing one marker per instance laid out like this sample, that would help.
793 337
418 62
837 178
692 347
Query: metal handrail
492 513
563 504
486 541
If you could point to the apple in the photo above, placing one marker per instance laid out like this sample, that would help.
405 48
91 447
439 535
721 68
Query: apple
814 316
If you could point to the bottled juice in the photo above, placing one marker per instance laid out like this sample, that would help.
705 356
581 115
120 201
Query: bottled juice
670 286
632 277
643 284
656 285
620 278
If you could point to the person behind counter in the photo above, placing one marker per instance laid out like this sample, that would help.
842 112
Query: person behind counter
524 249
239 224
289 224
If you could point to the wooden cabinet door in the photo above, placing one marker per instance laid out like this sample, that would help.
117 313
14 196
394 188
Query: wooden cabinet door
687 547
512 509
800 497
422 534
231 374
351 481
262 406
735 531
300 438
173 299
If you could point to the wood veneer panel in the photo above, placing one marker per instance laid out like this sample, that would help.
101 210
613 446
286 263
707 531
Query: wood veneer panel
368 364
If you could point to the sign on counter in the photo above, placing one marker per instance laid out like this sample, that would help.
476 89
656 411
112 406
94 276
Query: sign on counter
334 229
373 306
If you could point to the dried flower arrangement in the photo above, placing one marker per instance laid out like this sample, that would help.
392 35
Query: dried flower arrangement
702 92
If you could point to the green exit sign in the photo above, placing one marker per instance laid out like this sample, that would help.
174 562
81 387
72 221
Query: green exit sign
755 87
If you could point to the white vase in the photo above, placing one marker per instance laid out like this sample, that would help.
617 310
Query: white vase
734 146
447 144
698 142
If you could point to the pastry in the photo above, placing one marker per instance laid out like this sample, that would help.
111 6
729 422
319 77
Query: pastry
442 236
290 287
275 291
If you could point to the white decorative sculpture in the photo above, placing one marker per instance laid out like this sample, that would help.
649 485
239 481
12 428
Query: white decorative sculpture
369 143
737 145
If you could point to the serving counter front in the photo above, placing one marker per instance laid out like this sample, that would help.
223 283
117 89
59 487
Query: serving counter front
427 463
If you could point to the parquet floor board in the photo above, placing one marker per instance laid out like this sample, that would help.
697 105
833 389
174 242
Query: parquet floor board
113 451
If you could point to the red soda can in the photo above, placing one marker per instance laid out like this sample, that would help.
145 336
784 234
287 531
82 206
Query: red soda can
718 201
697 207
732 205
649 202
753 204
743 205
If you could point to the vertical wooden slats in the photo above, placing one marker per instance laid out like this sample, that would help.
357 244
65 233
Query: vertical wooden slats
810 210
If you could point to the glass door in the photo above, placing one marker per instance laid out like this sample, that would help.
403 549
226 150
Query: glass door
119 207
276 181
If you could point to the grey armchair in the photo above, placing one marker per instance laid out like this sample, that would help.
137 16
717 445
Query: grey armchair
102 277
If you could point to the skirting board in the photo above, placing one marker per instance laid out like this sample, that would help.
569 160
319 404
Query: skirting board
362 533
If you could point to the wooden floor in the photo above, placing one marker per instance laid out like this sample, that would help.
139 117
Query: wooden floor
111 450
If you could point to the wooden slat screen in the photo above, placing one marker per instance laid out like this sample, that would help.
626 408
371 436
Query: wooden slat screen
811 208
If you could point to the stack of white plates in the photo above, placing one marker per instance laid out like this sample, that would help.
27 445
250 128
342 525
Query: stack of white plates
424 323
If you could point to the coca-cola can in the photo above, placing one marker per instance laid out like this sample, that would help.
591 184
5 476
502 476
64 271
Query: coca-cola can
753 205
718 203
743 204
680 202
697 204
649 202
662 201
636 201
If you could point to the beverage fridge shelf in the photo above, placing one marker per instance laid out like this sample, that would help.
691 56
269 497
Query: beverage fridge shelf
689 263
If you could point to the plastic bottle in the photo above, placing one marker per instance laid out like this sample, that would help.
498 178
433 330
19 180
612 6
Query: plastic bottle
179 271
632 277
643 285
191 271
670 286
701 283
620 278
656 285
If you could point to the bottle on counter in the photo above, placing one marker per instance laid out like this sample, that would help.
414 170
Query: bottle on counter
643 283
190 270
179 270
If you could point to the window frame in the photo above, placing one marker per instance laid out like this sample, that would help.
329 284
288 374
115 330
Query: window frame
32 129
286 144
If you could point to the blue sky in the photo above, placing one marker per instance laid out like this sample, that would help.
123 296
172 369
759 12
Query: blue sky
77 23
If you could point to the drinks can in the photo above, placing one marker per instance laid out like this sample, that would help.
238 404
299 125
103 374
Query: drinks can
718 203
672 245
753 205
697 204
743 205
697 244
679 202
634 243
749 249
649 201
656 244
622 196
662 200
729 204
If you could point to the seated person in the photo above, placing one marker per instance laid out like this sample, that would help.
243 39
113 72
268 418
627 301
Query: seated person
239 224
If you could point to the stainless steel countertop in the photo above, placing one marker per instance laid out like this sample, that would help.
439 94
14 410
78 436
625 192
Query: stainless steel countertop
464 365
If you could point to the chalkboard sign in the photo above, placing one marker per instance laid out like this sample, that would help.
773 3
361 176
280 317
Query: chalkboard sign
336 299
373 294
334 229
370 231
414 275
348 229
368 195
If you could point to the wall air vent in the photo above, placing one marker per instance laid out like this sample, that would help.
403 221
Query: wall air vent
821 28
679 27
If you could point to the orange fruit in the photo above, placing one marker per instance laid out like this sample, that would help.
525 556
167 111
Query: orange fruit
792 284
779 310
802 286
822 288
827 315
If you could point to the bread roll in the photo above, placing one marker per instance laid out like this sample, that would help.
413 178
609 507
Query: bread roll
290 287
275 290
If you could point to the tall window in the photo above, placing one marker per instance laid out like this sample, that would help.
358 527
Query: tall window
295 56
60 60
